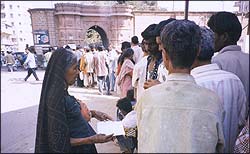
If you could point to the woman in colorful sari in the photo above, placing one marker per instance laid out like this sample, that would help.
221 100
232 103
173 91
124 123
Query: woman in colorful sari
124 79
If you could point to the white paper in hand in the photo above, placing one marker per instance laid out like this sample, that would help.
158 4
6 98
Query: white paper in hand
110 127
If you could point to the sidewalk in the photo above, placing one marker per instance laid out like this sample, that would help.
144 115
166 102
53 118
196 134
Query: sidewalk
19 111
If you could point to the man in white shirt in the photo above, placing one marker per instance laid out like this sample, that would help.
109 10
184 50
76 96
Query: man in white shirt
139 74
113 58
89 57
138 53
162 71
226 84
178 116
100 68
30 62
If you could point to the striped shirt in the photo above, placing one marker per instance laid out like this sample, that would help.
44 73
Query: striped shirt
232 94
232 59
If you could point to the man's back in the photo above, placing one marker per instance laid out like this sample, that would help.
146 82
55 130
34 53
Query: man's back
138 53
10 59
232 59
179 116
90 62
100 63
232 94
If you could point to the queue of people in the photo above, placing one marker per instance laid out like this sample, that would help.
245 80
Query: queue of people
176 95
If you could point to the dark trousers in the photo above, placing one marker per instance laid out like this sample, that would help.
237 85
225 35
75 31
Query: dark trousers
31 71
79 82
127 143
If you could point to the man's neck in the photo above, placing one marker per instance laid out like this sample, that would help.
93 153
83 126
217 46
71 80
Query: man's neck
201 63
179 70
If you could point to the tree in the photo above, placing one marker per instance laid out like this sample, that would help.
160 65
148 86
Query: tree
92 37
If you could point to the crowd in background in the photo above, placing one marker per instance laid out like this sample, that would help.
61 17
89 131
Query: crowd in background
176 95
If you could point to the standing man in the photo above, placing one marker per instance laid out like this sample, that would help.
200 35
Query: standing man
31 63
113 55
100 68
89 67
226 84
138 53
79 54
162 71
10 61
178 116
227 31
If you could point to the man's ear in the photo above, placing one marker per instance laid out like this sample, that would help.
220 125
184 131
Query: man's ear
165 59
225 37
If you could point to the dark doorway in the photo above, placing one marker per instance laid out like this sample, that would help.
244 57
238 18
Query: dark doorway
96 35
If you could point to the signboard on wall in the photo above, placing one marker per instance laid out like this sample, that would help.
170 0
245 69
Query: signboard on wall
41 37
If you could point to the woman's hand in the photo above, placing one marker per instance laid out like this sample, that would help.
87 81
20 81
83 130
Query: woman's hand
98 138
150 83
100 115
102 138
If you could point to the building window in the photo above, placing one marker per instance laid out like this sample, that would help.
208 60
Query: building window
2 15
2 6
12 23
14 32
19 15
11 15
10 6
20 23
18 6
21 31
21 39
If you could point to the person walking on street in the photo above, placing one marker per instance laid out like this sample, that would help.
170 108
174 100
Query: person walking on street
100 59
10 60
30 62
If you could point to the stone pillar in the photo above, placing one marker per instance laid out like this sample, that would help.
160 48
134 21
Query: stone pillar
121 26
43 19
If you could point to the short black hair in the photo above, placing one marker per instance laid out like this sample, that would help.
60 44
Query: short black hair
148 32
67 47
226 22
100 48
160 26
134 40
181 41
125 45
78 47
207 44
124 104
127 53
32 49
130 95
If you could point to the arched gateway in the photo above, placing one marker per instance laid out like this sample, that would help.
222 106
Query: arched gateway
68 23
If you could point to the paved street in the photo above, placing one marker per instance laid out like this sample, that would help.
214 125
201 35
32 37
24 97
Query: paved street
19 107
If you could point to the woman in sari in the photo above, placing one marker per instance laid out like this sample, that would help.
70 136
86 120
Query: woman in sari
61 126
124 79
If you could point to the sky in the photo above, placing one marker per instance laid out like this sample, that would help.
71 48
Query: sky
170 5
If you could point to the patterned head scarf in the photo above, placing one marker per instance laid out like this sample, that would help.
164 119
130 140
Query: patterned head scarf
52 133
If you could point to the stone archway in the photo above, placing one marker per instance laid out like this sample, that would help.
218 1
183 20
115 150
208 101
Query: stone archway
69 22
102 33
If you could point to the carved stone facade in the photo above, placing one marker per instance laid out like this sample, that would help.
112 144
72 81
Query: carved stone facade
69 23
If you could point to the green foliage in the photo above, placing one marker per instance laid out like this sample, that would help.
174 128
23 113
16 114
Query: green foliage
92 37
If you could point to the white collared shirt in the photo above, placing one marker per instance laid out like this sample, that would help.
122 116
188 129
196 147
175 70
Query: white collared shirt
138 53
30 60
179 116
